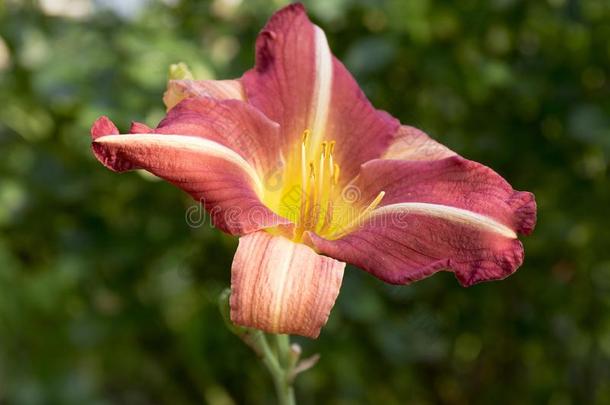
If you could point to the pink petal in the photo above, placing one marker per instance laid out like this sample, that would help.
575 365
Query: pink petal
215 150
232 123
453 181
280 286
178 90
412 144
451 214
298 83
403 246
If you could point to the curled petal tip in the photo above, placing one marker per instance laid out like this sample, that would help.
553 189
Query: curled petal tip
103 126
525 211
503 265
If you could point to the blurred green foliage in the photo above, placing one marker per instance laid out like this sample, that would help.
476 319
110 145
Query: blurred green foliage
108 296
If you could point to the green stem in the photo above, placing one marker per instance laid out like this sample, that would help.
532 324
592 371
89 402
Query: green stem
280 362
283 349
278 367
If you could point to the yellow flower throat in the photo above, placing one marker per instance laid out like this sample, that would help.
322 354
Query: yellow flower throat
311 196
319 178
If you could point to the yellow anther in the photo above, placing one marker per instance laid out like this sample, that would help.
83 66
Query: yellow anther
318 173
312 167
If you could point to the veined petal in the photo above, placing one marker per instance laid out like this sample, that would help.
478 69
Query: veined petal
136 146
410 143
213 174
178 90
403 243
232 123
447 213
298 83
451 214
280 286
453 182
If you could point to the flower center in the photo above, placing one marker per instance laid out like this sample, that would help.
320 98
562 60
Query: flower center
319 178
311 194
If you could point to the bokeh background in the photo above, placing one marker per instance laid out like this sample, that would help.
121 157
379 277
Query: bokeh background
108 296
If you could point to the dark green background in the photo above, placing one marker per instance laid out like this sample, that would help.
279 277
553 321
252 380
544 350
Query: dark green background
108 296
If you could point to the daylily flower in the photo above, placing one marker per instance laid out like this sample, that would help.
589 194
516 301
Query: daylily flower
294 160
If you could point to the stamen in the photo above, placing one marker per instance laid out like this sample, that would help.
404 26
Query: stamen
328 185
311 185
303 164
321 170
336 174
322 187
373 204
311 199
327 218
362 215
304 181
319 177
